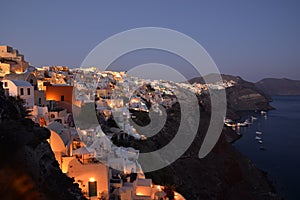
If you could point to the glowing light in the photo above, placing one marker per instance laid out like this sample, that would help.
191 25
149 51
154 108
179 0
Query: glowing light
18 72
92 179
159 187
134 100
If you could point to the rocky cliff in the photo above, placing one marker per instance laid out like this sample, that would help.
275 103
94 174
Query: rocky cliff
223 174
274 86
243 95
28 169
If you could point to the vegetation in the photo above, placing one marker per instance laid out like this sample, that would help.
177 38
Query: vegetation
170 191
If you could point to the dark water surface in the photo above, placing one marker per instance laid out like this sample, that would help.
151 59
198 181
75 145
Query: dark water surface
281 139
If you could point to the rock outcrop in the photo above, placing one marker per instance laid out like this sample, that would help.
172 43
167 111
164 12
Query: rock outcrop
274 86
243 96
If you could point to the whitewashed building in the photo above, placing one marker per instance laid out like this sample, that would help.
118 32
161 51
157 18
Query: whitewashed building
23 89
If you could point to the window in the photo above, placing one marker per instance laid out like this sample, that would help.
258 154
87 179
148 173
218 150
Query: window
5 84
52 116
28 91
40 101
21 91
62 98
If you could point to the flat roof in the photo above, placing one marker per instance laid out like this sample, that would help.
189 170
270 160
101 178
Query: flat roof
143 182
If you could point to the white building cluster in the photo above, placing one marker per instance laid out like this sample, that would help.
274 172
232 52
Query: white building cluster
56 95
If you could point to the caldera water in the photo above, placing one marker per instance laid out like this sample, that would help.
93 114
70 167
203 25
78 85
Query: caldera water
279 153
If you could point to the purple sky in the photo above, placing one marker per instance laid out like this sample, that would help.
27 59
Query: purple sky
253 39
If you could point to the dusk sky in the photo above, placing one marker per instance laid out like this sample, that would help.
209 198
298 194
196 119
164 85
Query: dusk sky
252 39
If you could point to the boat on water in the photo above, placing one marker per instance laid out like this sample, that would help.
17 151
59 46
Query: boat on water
248 122
253 118
230 125
258 133
257 138
245 123
260 141
242 124
229 122
263 112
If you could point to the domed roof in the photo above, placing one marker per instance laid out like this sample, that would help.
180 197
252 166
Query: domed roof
56 143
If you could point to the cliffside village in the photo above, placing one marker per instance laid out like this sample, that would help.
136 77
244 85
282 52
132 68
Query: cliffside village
56 97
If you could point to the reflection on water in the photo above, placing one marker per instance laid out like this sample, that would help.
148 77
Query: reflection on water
280 138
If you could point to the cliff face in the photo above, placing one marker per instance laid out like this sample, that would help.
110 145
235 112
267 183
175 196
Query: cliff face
242 96
28 169
223 174
273 86
246 96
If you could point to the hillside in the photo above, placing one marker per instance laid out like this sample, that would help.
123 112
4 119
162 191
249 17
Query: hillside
273 86
28 169
223 174
242 96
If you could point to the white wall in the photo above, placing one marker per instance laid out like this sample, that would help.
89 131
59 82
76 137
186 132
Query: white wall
83 172
16 91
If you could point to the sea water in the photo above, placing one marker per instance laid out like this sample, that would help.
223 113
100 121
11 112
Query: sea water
281 143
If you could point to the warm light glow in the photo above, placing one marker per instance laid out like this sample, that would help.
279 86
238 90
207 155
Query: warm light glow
134 100
143 191
50 97
159 187
92 179
18 72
